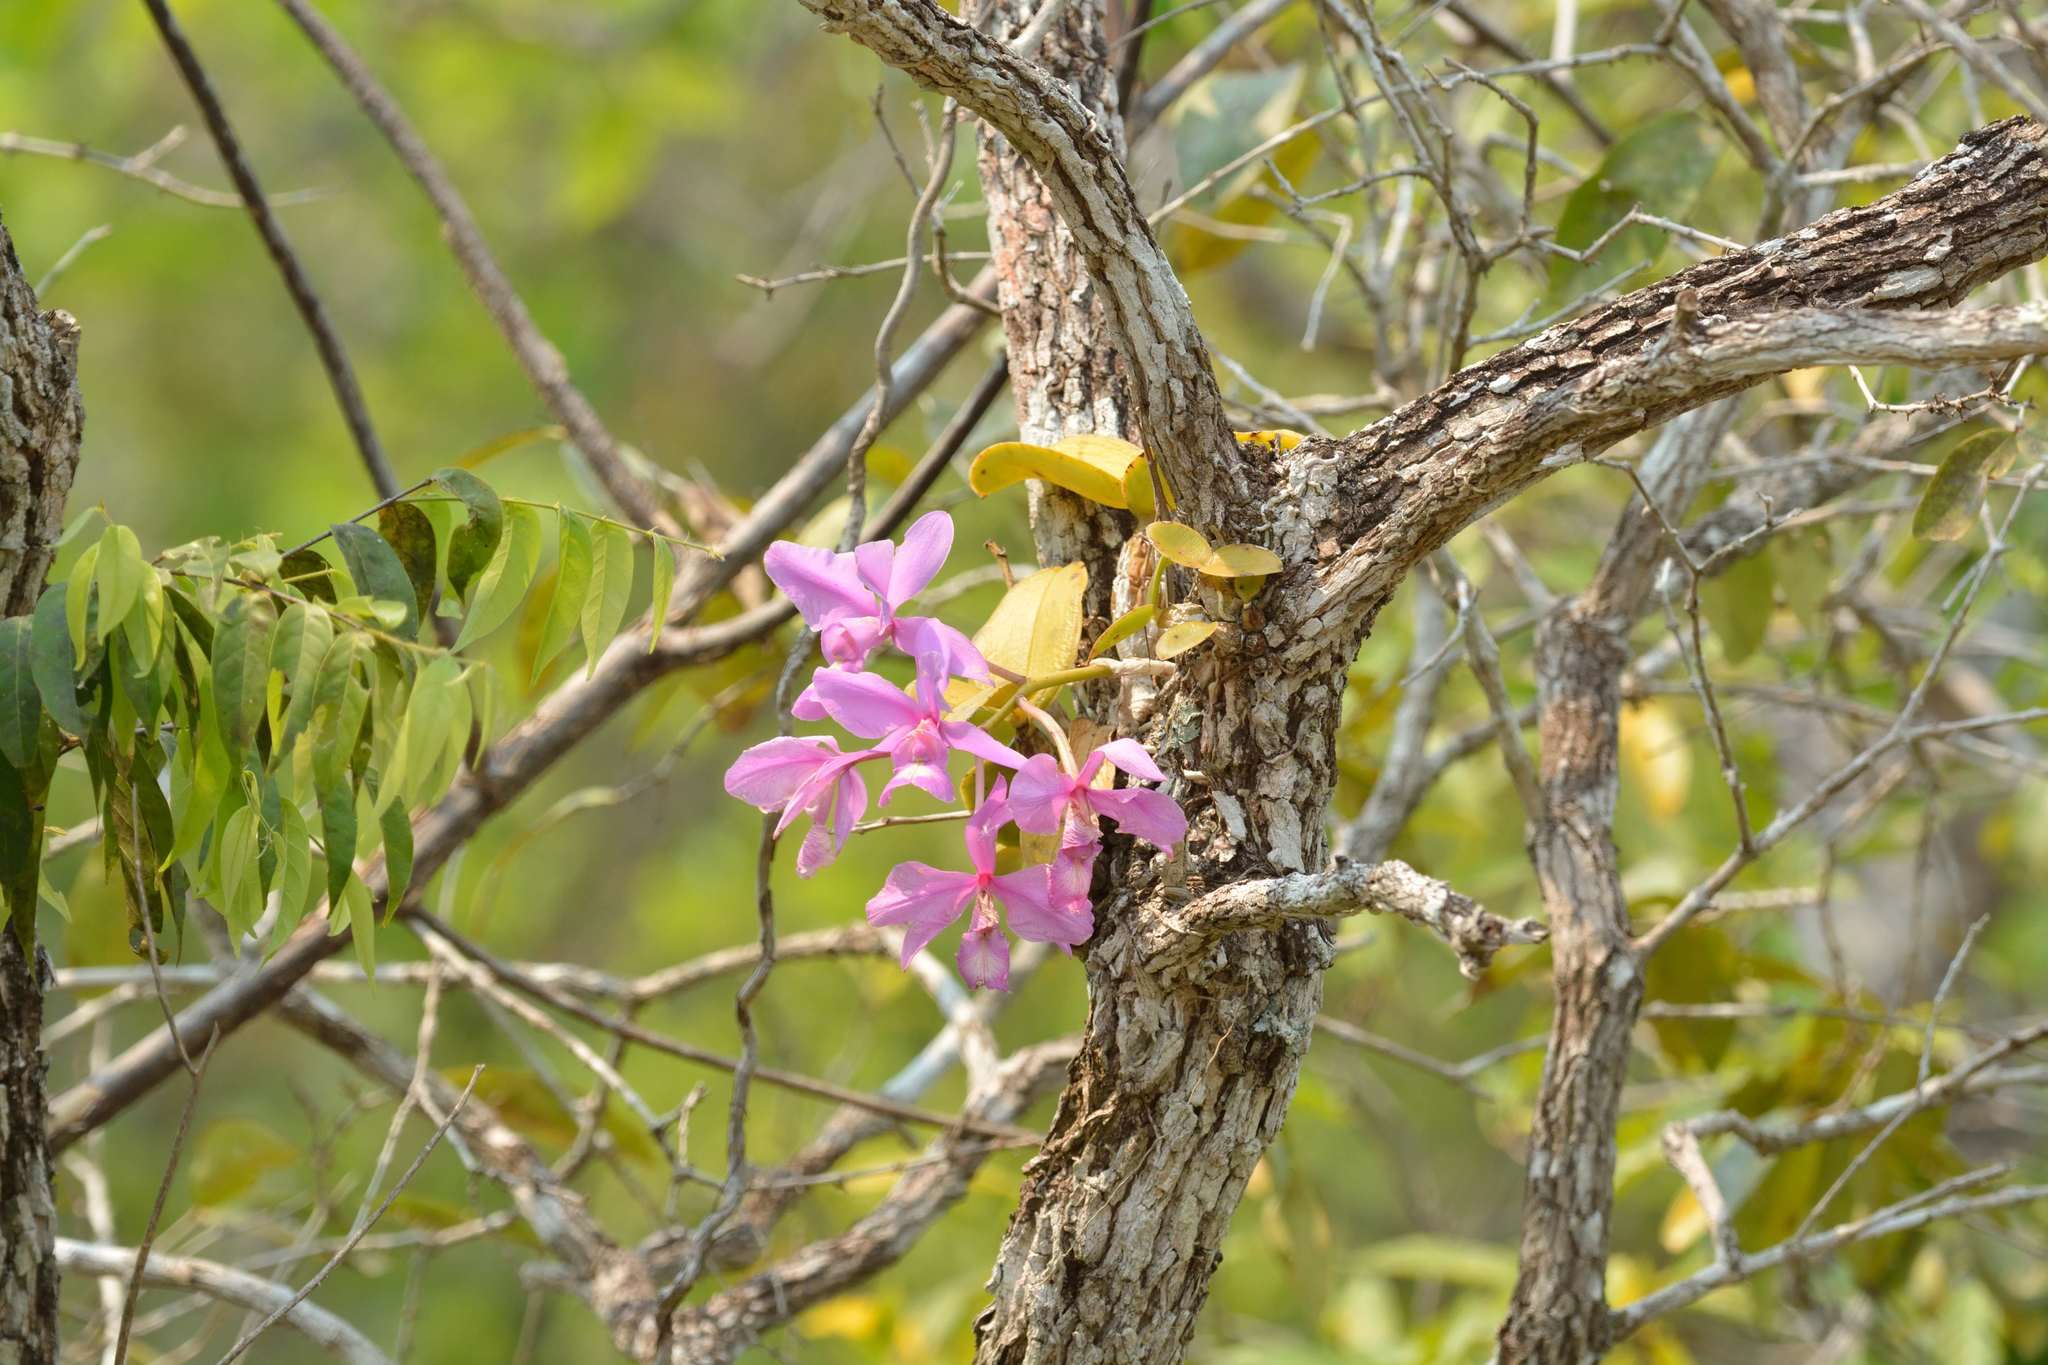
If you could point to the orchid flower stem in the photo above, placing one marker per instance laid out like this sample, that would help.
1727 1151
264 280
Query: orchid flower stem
1052 731
1021 687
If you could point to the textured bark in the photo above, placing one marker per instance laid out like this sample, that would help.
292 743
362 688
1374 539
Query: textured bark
40 417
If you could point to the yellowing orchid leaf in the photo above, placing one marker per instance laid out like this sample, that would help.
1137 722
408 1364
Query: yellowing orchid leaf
1092 466
1183 545
1175 640
1279 440
1123 628
1241 561
1034 630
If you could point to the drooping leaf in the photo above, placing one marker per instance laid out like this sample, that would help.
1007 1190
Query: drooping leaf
361 922
611 584
51 662
1182 545
137 828
241 881
78 602
573 555
505 579
1183 636
1948 505
1034 630
397 827
1661 166
379 572
21 705
308 573
1092 466
337 834
118 571
471 545
1737 603
664 562
295 874
241 667
1139 495
410 535
1123 628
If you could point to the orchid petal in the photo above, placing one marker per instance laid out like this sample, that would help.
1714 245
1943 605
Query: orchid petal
1151 815
1129 756
980 835
972 739
1039 794
873 560
984 959
820 582
930 778
869 706
1027 896
928 637
922 898
925 547
768 774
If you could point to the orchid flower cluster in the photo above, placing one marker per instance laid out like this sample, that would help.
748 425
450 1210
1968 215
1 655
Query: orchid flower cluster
855 601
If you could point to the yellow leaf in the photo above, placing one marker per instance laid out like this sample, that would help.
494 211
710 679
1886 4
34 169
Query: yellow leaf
1279 440
1183 545
1184 637
1685 1222
1241 561
1125 626
1654 747
1034 630
1138 494
850 1317
1805 385
1092 466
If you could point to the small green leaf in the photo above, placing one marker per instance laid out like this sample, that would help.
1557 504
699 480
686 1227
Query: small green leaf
378 571
295 873
241 669
51 662
410 535
78 601
611 583
241 884
664 587
74 542
573 559
119 573
362 922
504 580
1123 628
1182 545
1180 638
1737 603
1948 505
21 706
471 545
337 834
397 827
305 636
307 573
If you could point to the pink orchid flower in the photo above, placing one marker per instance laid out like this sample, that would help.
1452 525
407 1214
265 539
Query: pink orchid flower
925 900
852 599
911 728
1042 796
805 774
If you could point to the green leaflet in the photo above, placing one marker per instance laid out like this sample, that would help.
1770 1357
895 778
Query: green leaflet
294 876
410 535
309 574
241 881
337 834
51 662
472 544
504 580
1948 505
21 706
304 637
77 601
664 588
379 572
397 827
118 572
574 559
611 583
241 668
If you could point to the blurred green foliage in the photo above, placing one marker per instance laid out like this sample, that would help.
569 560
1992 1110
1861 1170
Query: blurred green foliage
627 159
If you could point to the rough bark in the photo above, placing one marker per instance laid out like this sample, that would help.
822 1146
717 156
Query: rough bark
40 418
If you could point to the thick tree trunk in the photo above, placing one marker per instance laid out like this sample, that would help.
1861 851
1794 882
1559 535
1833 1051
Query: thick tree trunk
40 416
